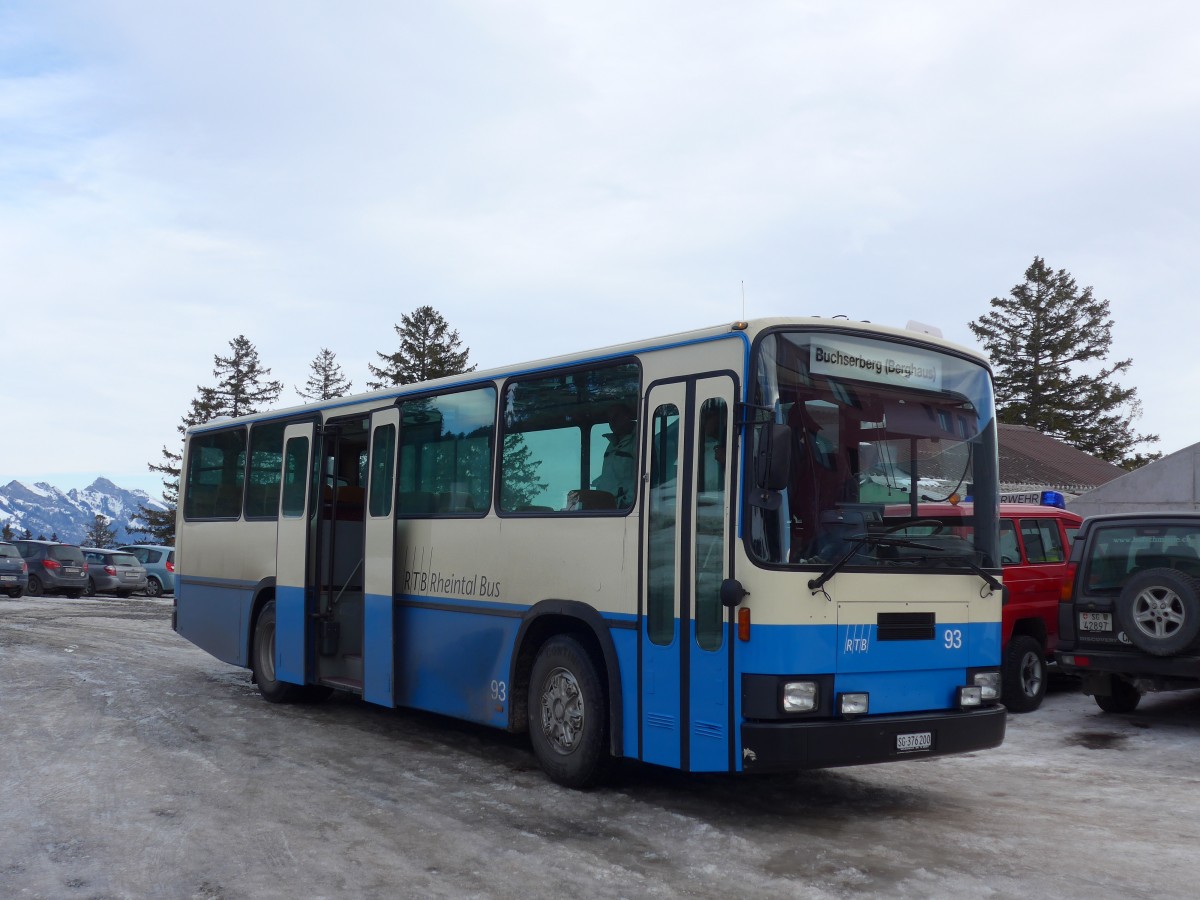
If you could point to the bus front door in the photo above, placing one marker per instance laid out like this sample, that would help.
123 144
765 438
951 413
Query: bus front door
378 565
291 555
685 714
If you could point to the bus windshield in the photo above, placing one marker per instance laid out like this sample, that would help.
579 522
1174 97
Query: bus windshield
874 429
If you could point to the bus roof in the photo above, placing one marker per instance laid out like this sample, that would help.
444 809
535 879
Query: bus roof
747 331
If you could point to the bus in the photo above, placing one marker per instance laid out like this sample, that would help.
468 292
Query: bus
703 551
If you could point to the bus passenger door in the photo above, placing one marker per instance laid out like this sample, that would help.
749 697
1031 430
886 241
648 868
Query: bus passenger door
710 649
660 729
685 650
378 564
291 555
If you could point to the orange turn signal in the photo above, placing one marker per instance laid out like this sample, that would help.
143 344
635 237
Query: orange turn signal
744 624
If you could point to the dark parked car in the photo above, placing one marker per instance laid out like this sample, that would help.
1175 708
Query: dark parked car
159 562
53 568
14 573
1129 622
113 572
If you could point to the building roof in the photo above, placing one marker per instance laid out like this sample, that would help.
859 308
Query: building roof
1028 457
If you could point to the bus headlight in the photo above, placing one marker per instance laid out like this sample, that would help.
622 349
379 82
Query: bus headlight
854 704
799 696
989 684
970 695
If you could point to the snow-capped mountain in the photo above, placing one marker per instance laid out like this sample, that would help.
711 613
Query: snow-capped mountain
46 511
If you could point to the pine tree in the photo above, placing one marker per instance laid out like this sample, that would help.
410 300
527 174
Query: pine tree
326 380
428 349
27 536
241 390
520 485
1049 342
6 534
99 534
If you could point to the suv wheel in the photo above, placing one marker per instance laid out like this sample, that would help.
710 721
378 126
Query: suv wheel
1024 674
1124 697
1160 611
35 586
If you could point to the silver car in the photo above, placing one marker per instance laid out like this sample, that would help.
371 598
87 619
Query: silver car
113 572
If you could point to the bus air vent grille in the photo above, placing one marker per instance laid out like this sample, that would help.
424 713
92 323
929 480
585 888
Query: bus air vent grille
905 626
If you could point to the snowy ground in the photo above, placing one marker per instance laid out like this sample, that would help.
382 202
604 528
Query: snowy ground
134 765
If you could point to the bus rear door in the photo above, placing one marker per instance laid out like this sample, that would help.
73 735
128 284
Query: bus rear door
378 565
292 613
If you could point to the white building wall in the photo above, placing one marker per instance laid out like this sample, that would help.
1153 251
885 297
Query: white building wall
1166 485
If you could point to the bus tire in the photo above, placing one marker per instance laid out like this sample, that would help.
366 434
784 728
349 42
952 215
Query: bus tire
568 714
1024 674
1160 611
1123 697
262 660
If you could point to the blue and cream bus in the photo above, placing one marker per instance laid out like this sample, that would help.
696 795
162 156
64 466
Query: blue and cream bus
702 551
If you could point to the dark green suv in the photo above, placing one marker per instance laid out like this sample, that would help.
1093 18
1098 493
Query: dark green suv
1129 620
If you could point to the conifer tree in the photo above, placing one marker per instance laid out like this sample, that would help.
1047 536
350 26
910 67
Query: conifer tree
99 534
428 349
1049 343
242 389
6 534
326 380
521 484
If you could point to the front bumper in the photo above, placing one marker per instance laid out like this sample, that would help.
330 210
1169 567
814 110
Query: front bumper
791 746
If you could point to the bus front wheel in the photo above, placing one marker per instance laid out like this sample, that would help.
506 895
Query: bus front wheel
568 714
262 659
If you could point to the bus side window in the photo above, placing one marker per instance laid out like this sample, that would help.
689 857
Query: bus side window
570 441
445 454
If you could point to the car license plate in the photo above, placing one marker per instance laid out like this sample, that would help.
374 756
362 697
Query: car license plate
919 740
8 577
1095 621
70 570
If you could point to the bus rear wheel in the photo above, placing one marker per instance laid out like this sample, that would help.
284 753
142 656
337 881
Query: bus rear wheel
262 660
568 714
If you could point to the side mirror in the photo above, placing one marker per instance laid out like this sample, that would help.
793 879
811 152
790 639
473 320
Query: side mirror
773 461
732 593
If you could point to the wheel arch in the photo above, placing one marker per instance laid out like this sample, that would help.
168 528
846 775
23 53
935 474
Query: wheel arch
547 619
1032 627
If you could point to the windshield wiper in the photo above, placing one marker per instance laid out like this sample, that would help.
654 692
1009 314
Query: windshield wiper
967 561
857 541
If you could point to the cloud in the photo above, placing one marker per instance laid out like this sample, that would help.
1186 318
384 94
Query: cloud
554 176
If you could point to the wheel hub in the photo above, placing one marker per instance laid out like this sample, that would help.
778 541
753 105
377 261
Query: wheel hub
562 711
1158 612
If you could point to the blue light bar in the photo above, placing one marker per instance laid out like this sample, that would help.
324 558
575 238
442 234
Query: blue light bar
1053 498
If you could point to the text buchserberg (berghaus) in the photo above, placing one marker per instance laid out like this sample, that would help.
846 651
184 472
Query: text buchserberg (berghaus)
878 366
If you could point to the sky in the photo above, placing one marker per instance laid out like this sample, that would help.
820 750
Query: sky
558 176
